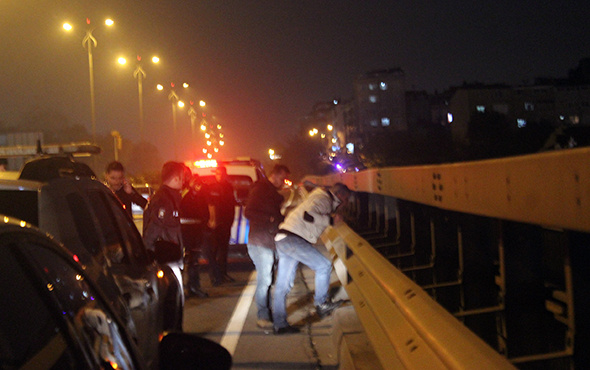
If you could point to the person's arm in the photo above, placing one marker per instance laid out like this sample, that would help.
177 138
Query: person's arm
137 198
211 223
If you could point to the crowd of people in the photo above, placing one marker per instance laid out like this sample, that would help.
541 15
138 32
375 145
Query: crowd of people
198 217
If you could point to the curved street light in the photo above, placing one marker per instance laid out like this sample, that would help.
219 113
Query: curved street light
89 42
176 102
139 74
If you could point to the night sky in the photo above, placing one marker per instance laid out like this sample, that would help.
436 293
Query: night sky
262 64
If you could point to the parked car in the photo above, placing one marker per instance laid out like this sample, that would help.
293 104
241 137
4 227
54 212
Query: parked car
62 198
56 316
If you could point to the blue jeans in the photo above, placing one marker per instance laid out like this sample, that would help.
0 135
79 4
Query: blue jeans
292 250
264 259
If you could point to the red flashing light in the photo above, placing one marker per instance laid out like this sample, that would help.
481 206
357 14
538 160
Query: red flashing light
87 20
205 163
138 58
75 257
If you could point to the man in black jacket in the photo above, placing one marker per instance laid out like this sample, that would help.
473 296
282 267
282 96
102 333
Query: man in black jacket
263 210
116 181
161 218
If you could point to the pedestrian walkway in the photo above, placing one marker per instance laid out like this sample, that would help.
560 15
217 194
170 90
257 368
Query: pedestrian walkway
228 317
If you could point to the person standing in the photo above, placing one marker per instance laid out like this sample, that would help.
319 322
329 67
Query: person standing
127 194
161 218
222 212
302 228
194 215
263 210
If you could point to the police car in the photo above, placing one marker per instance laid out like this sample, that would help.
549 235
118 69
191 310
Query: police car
242 173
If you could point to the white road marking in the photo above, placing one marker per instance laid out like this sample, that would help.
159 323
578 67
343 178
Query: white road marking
234 327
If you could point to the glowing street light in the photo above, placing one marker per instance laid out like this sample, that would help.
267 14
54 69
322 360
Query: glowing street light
89 42
139 74
176 102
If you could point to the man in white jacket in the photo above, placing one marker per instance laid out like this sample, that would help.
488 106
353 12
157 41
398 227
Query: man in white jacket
294 241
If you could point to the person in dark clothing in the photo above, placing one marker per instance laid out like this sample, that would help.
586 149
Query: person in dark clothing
127 194
222 211
194 215
161 218
263 210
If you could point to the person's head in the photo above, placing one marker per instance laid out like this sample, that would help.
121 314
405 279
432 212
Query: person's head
341 192
188 174
220 173
115 175
278 175
173 174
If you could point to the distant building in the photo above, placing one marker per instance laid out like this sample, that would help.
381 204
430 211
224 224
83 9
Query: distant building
380 101
559 105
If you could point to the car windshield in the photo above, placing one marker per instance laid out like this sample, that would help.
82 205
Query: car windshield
240 183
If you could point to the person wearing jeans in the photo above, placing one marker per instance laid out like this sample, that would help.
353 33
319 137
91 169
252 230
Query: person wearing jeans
263 210
294 242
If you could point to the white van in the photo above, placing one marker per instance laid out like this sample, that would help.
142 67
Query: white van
242 173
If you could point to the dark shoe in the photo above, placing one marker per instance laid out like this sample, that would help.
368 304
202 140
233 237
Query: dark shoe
227 279
326 308
197 292
287 330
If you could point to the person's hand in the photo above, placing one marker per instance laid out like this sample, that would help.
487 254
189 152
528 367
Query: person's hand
127 187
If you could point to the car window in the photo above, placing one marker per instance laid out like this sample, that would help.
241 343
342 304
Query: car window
21 204
115 248
240 183
84 223
44 291
126 229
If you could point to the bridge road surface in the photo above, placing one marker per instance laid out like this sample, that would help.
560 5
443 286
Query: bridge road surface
228 316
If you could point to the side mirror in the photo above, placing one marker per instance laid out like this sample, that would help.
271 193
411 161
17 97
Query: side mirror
180 351
166 252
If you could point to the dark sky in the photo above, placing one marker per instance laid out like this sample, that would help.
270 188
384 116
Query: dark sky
262 64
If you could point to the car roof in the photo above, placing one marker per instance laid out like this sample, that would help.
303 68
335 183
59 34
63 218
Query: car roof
49 167
18 184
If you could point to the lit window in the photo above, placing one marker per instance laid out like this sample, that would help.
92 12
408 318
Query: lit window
481 108
350 148
385 121
383 85
520 122
373 99
529 107
449 117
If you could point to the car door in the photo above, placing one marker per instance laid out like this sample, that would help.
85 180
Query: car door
136 274
53 315
83 215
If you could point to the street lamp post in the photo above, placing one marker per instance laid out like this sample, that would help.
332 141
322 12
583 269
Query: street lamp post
176 102
89 42
192 113
139 74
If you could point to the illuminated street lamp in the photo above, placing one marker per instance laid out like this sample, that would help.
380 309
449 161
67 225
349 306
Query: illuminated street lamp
139 74
176 102
89 42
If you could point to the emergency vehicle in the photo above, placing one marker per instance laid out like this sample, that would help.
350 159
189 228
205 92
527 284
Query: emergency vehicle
242 173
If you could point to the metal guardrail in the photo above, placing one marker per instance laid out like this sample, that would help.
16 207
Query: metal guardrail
551 189
407 328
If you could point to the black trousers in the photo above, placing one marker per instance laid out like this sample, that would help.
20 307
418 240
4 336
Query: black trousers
220 242
196 244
